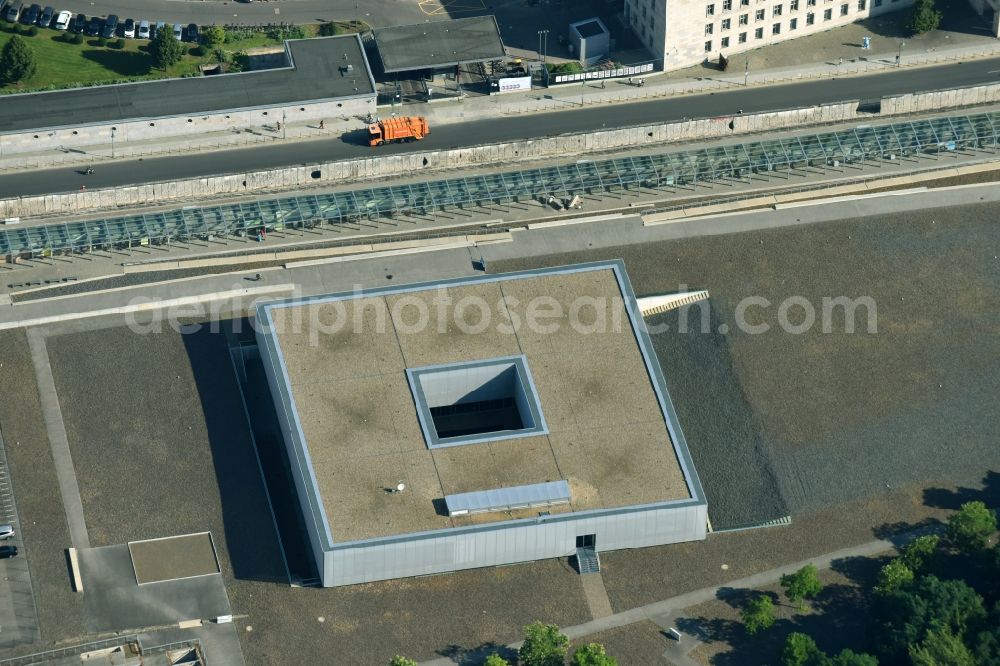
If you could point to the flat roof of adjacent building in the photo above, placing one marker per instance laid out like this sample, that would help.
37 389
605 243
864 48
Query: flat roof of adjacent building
316 71
439 44
345 360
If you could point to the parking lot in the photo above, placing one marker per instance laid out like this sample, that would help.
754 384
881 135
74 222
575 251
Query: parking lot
18 619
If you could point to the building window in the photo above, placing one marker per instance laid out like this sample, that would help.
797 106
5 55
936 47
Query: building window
810 18
725 43
793 5
726 24
862 5
744 3
743 38
758 33
776 10
727 5
827 14
811 3
708 46
710 10
776 29
793 24
759 15
708 29
876 3
744 19
844 9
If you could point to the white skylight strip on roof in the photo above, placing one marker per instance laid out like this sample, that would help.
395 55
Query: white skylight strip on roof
504 499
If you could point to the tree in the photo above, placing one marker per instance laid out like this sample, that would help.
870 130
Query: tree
544 645
397 660
593 654
971 527
851 658
893 576
919 554
758 614
214 35
924 17
495 660
17 61
165 49
905 616
801 585
941 648
987 645
801 650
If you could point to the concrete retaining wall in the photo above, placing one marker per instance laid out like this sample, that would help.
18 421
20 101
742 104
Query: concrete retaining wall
509 153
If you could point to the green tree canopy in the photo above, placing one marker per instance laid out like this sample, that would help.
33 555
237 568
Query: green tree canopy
987 645
17 61
920 554
941 648
758 614
971 526
893 576
593 654
544 645
495 660
803 584
397 660
801 650
905 616
851 658
924 17
214 35
164 49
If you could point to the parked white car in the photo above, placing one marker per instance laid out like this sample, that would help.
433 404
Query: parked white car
143 30
178 31
6 531
62 20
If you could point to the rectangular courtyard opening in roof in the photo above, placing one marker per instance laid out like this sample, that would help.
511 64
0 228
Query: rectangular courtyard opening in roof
481 401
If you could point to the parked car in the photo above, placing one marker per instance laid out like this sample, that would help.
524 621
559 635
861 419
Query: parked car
45 20
143 32
62 21
78 24
110 27
13 11
192 33
7 551
6 531
93 28
30 16
128 28
178 31
160 25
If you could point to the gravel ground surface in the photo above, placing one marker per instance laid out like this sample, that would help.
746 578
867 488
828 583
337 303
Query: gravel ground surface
837 618
843 415
43 521
726 442
631 645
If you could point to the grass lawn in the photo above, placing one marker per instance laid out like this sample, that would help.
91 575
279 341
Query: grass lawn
62 65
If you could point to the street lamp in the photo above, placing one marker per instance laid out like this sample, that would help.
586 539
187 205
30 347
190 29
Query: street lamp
113 130
746 72
284 124
543 43
899 54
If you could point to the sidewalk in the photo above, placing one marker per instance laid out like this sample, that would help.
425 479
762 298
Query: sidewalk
839 56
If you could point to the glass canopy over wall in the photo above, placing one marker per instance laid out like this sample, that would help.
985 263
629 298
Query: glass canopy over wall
680 169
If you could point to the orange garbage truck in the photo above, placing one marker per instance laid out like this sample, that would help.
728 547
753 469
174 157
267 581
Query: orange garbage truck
398 130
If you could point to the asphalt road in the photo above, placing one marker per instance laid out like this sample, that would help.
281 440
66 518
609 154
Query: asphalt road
112 174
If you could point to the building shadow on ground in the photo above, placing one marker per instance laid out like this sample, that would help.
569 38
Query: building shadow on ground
123 63
948 498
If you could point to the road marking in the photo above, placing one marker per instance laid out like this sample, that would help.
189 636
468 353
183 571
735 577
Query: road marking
438 7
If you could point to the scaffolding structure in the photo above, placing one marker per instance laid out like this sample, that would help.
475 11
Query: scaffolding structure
683 169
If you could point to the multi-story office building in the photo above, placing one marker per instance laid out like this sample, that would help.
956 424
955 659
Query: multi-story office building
682 33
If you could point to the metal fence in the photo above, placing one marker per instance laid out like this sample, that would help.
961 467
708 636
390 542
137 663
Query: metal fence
682 169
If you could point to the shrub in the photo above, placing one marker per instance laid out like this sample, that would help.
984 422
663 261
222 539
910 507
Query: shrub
78 39
281 33
327 29
236 34
102 41
213 35
119 44
758 614
971 527
32 31
200 51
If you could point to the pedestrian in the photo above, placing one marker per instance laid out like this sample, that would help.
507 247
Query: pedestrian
841 61
630 80
642 82
322 125
256 278
278 125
